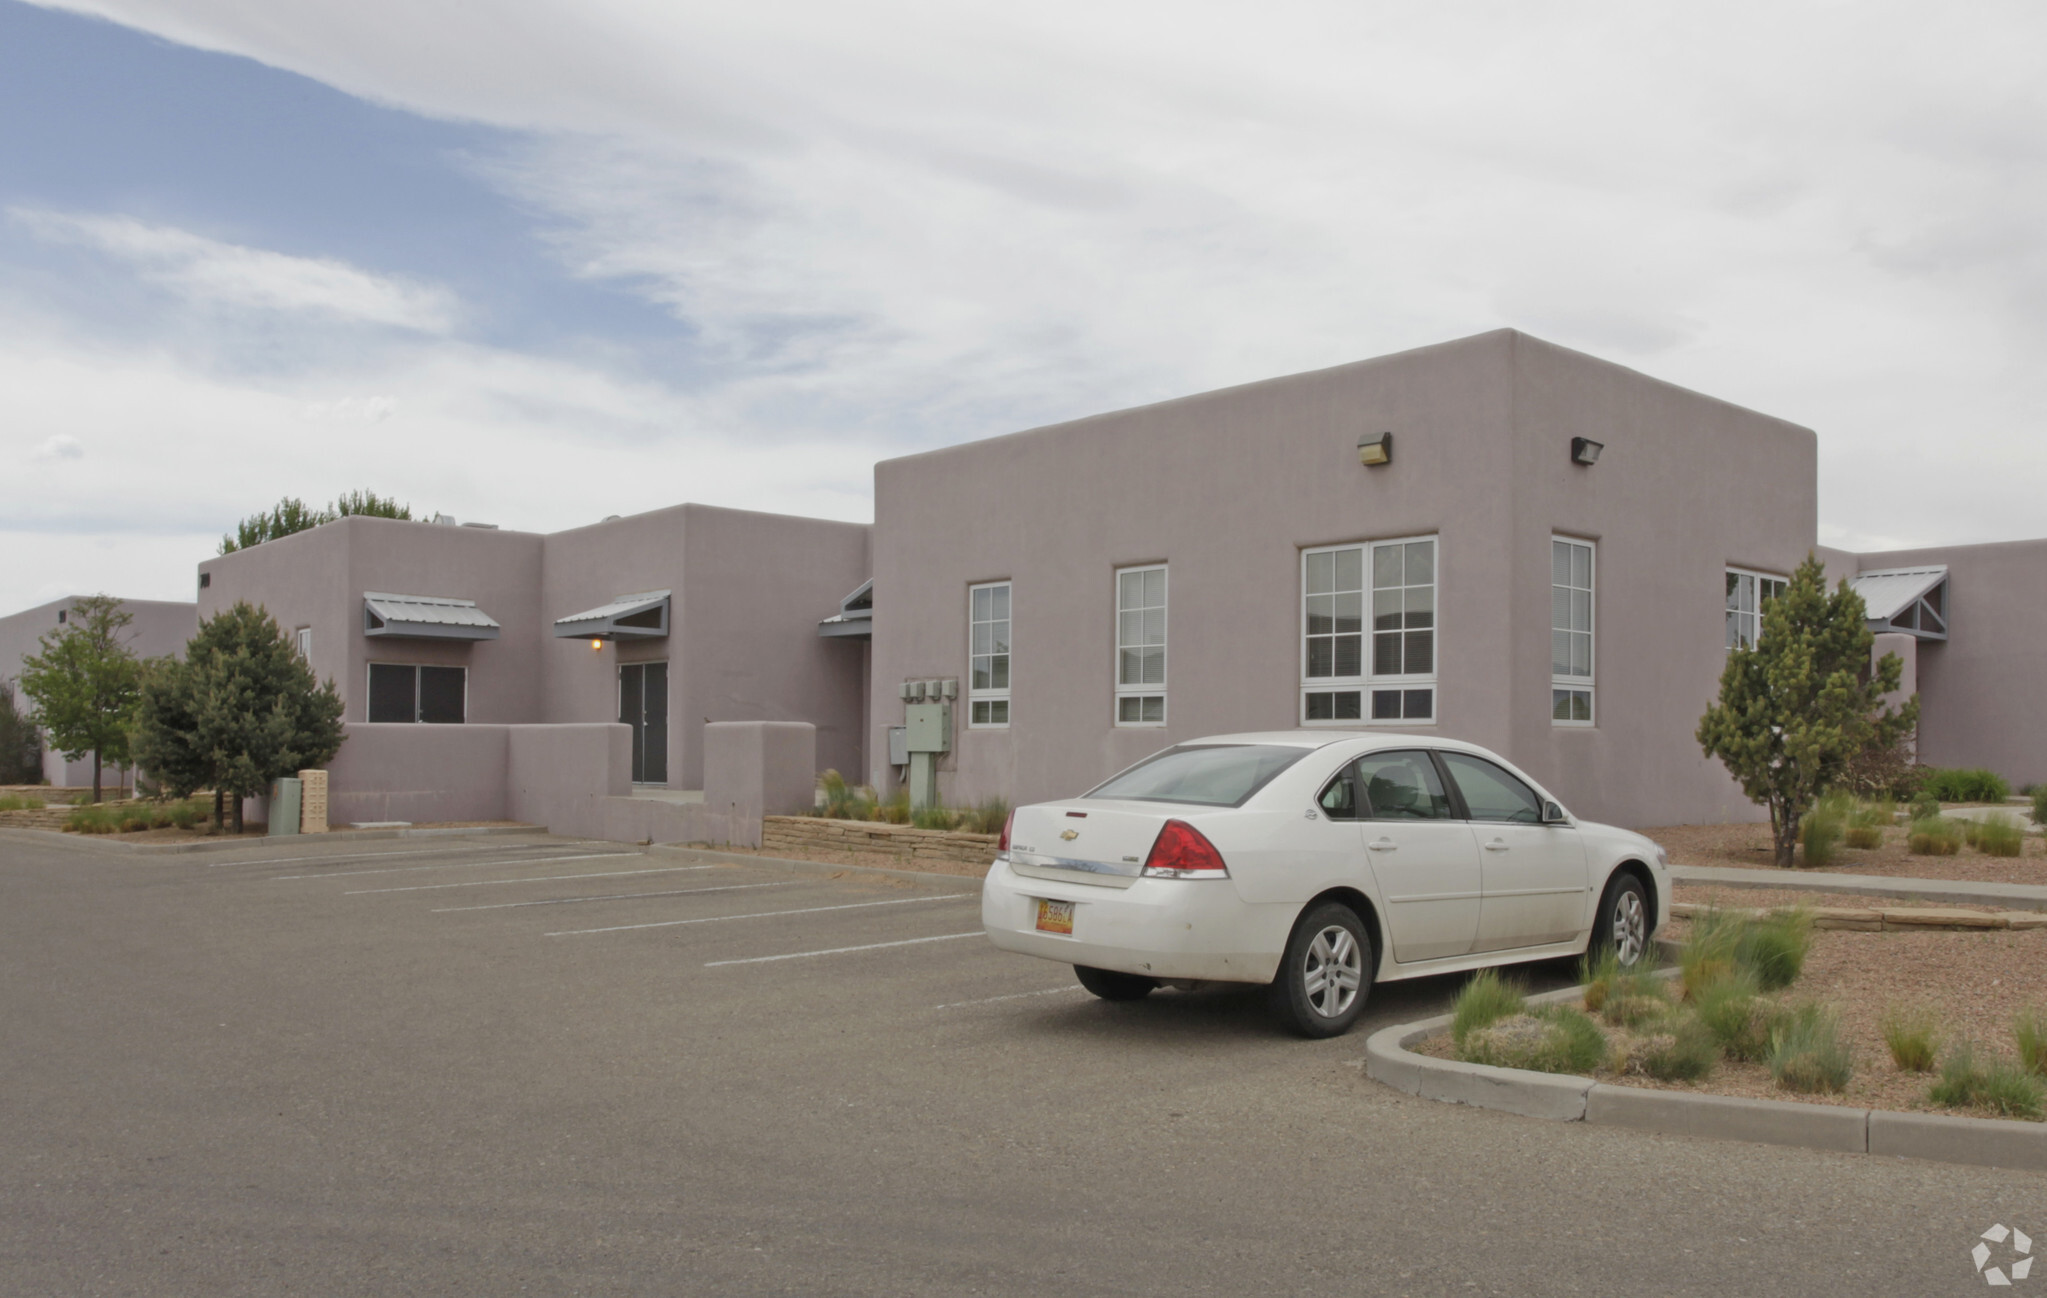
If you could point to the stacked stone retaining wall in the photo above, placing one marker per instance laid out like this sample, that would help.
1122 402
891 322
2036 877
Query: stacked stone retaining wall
804 837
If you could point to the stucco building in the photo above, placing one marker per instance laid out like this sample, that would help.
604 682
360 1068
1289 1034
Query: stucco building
158 629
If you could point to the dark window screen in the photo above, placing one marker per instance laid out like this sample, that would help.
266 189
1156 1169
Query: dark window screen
441 691
655 724
393 693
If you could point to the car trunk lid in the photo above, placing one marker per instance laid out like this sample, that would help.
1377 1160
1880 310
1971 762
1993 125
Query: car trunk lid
1101 843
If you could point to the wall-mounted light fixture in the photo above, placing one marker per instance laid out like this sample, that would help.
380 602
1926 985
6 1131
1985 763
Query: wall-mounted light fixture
1375 449
596 644
1585 451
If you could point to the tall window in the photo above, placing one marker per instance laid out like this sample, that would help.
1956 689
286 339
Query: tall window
1394 678
988 668
305 637
1570 634
406 692
1747 592
1141 646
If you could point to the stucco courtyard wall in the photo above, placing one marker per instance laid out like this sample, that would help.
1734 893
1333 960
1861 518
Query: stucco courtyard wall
1227 488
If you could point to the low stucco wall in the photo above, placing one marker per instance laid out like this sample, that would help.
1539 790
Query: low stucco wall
418 773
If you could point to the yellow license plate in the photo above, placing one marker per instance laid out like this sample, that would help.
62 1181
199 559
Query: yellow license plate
1055 916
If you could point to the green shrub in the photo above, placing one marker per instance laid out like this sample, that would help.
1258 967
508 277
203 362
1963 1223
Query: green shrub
1599 972
1733 1011
1997 834
931 818
1966 784
1806 1052
1935 836
91 820
187 815
1866 824
2040 804
19 802
1682 1050
988 818
1708 954
1485 1000
896 811
130 820
1819 834
1924 806
1636 997
1774 947
1551 1039
2029 1033
2002 1087
1913 1038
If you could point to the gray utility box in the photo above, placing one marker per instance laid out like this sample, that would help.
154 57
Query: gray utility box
284 807
898 745
929 726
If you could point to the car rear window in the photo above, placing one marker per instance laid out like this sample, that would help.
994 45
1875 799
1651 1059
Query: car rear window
1211 775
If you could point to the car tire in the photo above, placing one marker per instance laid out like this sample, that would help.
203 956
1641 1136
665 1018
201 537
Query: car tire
1326 973
1622 923
1113 986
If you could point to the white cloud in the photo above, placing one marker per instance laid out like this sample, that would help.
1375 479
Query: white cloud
63 446
225 274
938 220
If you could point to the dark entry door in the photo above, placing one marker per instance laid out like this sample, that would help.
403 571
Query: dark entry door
643 705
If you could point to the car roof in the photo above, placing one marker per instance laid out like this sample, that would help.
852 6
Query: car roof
1318 738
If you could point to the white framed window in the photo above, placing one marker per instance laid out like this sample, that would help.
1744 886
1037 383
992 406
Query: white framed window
1570 631
1141 646
1747 592
305 639
988 655
1386 675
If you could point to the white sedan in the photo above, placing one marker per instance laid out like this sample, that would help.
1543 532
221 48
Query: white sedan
1316 862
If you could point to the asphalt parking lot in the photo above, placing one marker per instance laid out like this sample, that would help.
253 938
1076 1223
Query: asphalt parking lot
520 1064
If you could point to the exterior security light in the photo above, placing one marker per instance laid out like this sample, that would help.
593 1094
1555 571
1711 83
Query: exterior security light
596 644
1375 449
1585 451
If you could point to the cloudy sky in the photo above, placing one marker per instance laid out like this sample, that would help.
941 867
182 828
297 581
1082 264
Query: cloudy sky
536 262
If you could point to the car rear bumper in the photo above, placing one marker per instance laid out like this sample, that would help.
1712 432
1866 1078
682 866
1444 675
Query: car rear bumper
1164 928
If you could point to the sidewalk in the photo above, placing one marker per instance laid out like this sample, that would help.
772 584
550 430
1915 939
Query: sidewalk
2014 896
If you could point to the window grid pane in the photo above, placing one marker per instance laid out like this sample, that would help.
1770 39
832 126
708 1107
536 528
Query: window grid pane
1141 644
1401 612
1571 631
988 655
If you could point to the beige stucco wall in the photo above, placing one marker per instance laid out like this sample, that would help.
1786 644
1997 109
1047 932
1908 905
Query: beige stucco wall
1229 486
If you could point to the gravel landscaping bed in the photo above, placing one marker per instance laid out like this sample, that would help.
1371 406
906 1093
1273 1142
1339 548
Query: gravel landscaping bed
1713 894
1748 847
1975 982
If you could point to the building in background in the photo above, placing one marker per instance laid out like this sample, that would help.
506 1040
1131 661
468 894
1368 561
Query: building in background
160 629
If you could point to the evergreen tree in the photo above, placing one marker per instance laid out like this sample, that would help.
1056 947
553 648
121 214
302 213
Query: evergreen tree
1794 708
167 731
243 709
85 685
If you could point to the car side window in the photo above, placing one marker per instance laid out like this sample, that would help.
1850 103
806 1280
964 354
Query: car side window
1401 786
1490 793
1339 800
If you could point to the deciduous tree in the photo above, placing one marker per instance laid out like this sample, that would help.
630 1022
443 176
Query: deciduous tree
85 685
1796 706
291 515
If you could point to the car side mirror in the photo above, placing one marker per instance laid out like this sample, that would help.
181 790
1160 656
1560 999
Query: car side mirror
1552 814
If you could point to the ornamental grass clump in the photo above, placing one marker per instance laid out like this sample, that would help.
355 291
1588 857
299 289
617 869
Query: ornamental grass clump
1866 823
1935 836
1682 1049
1820 832
1550 1039
2040 804
2029 1034
1966 784
1997 834
1912 1035
1708 955
92 820
1998 1085
19 802
1806 1052
1737 1016
1485 1000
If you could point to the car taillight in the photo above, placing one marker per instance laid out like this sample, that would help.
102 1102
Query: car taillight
1002 843
1180 852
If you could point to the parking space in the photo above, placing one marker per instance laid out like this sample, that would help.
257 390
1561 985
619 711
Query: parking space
524 1064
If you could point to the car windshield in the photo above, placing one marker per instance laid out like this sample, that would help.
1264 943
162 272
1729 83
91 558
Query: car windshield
1213 775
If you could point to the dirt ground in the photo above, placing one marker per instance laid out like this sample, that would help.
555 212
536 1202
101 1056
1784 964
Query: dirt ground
1748 846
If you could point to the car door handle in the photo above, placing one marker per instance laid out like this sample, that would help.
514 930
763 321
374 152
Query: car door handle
1384 845
1497 845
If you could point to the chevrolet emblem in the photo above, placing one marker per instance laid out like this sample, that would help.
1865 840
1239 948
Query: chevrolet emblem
1070 834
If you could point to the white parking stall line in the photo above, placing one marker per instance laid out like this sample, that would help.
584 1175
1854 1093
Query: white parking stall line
451 865
764 914
545 878
616 896
369 856
1014 996
842 950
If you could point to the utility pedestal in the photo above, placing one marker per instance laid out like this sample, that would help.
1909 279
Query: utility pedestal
929 727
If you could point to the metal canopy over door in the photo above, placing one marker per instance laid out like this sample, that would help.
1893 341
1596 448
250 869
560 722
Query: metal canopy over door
643 705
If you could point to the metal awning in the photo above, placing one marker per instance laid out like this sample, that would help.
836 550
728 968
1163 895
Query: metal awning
855 617
626 617
1908 600
425 617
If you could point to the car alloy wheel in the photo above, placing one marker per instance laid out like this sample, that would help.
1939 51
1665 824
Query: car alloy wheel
1630 926
1335 970
1326 973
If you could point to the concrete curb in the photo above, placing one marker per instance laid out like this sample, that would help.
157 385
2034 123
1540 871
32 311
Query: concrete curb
919 878
270 841
1954 892
1893 919
1982 1142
